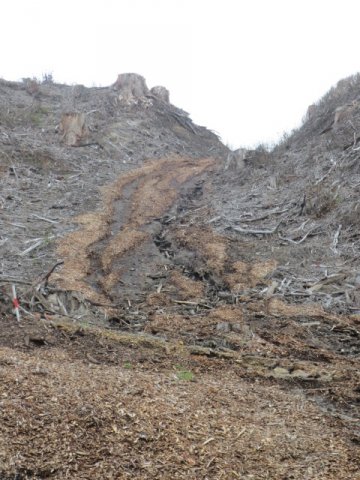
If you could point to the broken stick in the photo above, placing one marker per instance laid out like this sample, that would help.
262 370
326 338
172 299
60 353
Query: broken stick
336 239
297 242
257 232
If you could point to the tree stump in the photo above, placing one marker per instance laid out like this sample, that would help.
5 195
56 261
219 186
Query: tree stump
311 112
236 160
73 128
344 112
161 92
131 87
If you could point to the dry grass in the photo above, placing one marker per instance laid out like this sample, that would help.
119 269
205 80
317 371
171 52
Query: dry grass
184 287
248 275
277 307
206 243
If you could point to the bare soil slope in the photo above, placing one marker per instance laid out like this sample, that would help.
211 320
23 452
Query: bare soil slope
181 320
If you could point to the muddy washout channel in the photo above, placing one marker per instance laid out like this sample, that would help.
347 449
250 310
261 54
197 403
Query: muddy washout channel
113 254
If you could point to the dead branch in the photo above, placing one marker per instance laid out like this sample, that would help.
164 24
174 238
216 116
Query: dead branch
300 227
13 169
355 133
14 224
269 292
47 275
38 243
195 304
326 174
336 239
31 248
14 280
43 218
335 278
297 242
214 219
184 122
302 206
257 232
89 144
275 211
36 283
183 302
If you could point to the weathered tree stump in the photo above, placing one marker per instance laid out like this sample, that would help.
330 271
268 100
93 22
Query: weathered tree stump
236 160
131 87
161 92
73 128
344 112
32 87
311 112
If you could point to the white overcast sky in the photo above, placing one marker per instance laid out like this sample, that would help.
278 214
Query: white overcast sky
246 69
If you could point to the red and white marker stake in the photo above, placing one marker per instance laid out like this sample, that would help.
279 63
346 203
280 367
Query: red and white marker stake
16 303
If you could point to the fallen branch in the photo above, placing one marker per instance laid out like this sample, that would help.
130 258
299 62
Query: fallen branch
301 227
14 171
326 174
46 277
183 302
214 219
35 284
275 211
335 278
43 218
195 304
89 144
269 292
297 242
256 232
14 280
184 122
30 249
336 240
38 243
13 224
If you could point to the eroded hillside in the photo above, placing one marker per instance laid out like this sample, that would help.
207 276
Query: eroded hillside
183 316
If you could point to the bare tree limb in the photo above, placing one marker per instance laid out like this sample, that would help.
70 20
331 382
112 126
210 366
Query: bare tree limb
275 211
257 232
46 277
14 280
297 242
326 174
336 239
43 218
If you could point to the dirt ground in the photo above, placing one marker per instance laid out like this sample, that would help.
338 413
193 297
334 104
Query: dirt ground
178 320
